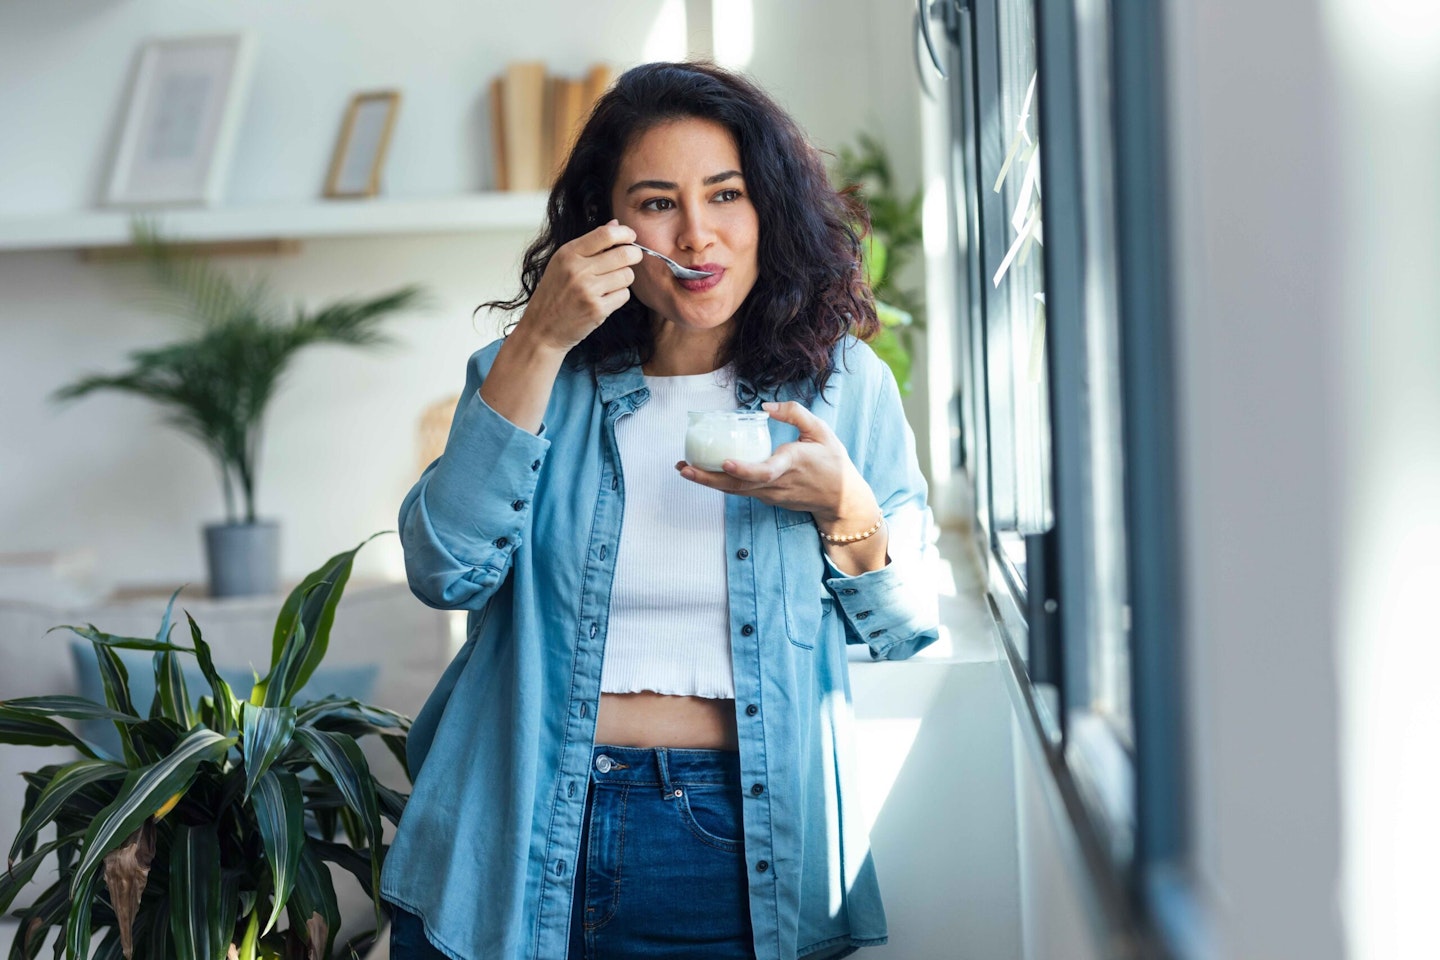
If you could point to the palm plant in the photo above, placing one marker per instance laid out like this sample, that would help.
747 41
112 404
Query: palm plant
894 239
215 820
217 383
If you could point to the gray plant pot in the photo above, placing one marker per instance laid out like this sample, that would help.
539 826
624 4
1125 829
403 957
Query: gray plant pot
243 558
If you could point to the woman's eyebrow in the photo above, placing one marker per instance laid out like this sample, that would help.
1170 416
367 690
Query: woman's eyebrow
668 185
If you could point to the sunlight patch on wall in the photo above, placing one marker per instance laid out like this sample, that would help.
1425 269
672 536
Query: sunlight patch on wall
667 39
734 33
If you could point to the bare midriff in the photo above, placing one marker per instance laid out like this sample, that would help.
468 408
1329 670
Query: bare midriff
660 720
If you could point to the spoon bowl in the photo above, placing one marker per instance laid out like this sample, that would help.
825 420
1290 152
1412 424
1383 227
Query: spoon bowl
681 273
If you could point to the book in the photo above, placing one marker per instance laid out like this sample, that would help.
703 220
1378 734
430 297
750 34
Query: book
567 115
523 125
497 132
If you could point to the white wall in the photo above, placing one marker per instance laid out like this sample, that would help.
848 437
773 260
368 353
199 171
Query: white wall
340 449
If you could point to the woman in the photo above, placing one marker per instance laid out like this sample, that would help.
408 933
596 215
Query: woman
642 749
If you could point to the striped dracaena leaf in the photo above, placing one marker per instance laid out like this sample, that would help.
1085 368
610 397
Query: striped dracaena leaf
196 908
26 729
172 696
280 816
315 896
145 791
93 634
62 787
78 924
340 756
13 880
312 604
265 733
71 708
222 697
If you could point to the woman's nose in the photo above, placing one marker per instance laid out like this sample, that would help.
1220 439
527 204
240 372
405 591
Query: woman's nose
697 231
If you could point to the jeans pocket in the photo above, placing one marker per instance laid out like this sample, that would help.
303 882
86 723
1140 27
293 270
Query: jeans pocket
713 815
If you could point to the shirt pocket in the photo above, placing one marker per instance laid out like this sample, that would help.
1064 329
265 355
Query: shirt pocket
806 601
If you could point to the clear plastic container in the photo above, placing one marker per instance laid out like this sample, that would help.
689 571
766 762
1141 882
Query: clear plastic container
715 436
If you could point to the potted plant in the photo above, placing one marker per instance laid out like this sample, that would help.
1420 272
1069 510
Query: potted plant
217 382
895 237
216 820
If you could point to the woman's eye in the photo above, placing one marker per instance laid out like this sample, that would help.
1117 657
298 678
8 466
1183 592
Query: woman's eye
725 196
657 203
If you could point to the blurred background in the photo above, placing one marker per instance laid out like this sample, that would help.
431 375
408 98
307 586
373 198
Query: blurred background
1176 391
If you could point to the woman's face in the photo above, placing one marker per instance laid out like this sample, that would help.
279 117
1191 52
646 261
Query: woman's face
681 189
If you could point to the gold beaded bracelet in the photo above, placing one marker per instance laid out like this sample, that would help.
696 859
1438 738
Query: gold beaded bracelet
854 537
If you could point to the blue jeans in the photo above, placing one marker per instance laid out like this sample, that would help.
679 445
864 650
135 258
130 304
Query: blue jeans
662 862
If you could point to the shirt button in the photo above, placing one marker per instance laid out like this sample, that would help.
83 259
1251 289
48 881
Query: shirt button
746 630
614 483
848 591
762 865
502 543
570 790
742 553
559 868
517 505
863 615
757 789
535 465
751 710
875 633
594 629
603 551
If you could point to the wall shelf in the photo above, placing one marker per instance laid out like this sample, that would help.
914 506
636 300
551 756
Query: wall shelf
275 223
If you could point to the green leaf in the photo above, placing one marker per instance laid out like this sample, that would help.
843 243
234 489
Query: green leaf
144 792
72 708
196 914
116 682
89 632
47 911
888 348
315 893
25 729
340 756
392 802
348 858
58 791
172 697
312 604
874 255
78 927
19 874
222 697
266 734
280 815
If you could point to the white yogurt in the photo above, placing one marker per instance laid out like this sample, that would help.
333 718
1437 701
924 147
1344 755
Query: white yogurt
715 436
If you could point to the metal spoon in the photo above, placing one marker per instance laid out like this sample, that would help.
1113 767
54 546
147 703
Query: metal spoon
681 273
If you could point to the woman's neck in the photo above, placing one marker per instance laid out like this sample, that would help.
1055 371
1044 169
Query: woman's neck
680 352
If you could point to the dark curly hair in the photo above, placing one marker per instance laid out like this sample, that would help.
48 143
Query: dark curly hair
810 291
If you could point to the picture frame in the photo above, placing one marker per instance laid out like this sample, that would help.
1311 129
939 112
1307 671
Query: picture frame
180 120
359 157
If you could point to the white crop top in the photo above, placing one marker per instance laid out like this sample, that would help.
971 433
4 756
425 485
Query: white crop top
669 629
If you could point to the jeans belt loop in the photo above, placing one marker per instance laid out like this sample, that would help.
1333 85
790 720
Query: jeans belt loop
667 788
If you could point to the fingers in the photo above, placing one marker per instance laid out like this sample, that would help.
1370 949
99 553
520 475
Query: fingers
602 238
796 415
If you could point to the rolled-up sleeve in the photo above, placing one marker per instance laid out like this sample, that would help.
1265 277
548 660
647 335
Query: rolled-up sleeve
470 510
893 610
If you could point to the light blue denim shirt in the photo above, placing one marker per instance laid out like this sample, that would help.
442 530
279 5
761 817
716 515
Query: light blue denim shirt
521 530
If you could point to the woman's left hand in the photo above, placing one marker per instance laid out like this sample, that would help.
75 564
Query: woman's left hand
813 473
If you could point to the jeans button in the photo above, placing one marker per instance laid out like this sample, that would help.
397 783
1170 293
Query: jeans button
603 763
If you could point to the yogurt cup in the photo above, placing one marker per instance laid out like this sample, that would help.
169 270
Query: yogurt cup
714 436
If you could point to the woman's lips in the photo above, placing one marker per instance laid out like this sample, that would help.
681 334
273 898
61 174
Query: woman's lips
699 286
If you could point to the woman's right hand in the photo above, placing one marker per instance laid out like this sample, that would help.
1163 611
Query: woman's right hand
585 281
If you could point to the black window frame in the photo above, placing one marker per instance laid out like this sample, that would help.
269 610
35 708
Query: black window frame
1141 872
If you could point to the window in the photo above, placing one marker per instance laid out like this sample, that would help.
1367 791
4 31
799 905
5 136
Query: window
1065 404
